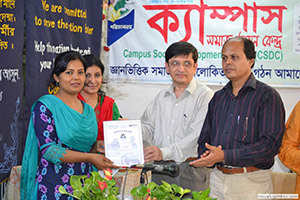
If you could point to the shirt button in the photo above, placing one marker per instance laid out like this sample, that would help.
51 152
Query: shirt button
176 104
173 121
234 100
168 137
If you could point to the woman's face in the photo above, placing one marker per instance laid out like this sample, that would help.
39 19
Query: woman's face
72 79
93 79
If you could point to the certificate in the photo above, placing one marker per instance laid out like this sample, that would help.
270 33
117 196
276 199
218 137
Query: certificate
123 142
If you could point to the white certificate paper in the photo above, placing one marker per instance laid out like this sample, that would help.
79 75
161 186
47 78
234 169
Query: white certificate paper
123 142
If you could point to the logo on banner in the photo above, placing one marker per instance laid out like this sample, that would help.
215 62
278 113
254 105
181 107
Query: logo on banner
120 19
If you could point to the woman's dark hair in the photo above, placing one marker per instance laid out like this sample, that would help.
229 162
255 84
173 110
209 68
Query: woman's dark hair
91 60
61 62
181 48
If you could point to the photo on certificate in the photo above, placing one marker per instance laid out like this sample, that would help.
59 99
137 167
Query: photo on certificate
123 142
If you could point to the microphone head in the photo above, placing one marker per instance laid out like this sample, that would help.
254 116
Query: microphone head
169 169
174 170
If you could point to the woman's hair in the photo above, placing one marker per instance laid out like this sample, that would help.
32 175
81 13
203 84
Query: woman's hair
91 60
61 62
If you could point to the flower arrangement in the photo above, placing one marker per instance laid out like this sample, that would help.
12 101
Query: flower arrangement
97 187
93 187
152 191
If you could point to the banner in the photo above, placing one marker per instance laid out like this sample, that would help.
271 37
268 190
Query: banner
11 82
140 31
53 27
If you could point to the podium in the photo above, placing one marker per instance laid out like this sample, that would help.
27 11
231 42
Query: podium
133 179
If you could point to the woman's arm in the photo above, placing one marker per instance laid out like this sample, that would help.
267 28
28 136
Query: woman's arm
98 160
51 147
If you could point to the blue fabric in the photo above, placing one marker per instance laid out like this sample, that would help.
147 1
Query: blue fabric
76 130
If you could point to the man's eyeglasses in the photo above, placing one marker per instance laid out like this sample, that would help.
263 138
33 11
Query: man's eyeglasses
176 64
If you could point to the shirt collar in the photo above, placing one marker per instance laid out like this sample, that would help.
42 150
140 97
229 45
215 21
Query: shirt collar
251 83
191 88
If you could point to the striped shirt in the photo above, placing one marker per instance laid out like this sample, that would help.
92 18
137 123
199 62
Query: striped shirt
249 126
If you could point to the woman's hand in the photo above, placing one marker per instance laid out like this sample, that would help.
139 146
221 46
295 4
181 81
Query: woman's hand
101 162
98 160
123 119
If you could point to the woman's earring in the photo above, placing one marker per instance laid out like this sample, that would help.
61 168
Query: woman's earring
53 89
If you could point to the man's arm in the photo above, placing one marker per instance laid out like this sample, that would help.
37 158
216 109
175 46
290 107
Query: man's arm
289 151
208 155
205 134
151 153
148 122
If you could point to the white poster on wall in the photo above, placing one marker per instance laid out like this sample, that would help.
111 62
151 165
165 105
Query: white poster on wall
139 31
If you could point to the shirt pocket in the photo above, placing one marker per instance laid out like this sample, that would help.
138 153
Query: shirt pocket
247 127
181 127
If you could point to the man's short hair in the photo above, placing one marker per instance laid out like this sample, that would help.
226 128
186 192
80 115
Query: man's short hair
181 48
249 48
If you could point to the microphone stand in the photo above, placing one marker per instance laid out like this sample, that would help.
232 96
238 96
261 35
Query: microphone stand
142 180
124 184
143 174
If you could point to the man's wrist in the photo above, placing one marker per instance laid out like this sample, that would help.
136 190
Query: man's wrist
223 161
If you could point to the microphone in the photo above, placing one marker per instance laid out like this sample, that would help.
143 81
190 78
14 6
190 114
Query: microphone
171 169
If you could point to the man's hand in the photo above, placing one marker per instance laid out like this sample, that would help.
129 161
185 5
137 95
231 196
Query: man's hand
98 146
210 157
152 153
206 153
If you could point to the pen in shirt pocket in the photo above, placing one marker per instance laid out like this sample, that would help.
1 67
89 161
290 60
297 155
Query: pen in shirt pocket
246 128
246 124
185 118
238 119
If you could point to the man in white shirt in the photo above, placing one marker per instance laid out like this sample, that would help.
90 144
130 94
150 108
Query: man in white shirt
172 122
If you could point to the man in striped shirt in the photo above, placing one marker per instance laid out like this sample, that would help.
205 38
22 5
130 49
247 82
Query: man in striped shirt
243 128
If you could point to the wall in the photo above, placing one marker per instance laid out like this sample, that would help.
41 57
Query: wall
133 98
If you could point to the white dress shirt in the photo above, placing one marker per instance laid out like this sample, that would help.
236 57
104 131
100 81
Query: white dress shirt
174 124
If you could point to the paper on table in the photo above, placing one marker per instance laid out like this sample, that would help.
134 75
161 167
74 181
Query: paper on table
123 142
